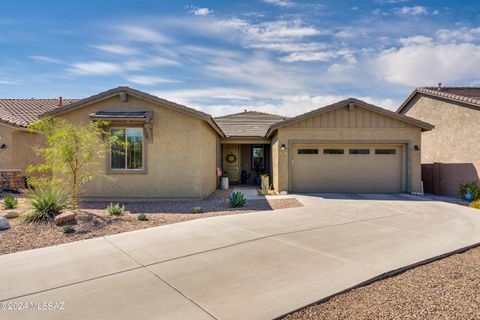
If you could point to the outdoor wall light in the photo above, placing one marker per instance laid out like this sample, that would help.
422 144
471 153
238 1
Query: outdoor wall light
283 147
3 146
416 148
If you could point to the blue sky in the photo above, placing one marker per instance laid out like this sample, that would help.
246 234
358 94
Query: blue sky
282 56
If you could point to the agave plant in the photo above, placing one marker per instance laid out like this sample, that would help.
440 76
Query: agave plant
236 199
47 202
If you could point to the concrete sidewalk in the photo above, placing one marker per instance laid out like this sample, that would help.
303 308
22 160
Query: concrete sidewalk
251 266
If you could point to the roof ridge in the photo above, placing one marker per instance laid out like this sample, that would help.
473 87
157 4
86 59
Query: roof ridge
251 111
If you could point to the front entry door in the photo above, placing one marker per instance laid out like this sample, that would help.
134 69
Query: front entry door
231 162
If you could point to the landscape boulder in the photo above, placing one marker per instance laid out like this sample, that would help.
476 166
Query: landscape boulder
11 214
4 224
66 217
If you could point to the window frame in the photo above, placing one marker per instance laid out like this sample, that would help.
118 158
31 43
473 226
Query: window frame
314 151
143 170
333 153
355 151
253 156
382 153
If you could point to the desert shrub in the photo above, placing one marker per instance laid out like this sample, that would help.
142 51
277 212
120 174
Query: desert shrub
475 204
236 199
142 217
197 210
10 202
47 202
115 209
68 229
469 187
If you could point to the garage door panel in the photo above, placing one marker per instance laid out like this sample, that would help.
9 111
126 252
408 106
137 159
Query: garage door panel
356 173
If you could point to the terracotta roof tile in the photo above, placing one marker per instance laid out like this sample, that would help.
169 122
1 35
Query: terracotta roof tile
247 124
470 95
20 112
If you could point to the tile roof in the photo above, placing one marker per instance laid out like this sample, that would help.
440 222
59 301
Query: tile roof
470 95
20 112
247 123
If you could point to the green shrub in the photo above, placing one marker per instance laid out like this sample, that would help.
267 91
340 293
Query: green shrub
10 202
47 202
115 209
68 229
236 199
469 187
142 217
197 210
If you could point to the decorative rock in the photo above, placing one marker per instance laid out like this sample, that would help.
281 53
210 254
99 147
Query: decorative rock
4 224
66 217
11 215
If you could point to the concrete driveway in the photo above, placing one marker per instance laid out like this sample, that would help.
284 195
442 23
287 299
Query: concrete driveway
252 266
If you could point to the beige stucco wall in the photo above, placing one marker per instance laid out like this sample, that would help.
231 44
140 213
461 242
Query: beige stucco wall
453 142
342 127
180 159
19 152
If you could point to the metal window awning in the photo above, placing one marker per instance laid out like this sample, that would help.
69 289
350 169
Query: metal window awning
126 117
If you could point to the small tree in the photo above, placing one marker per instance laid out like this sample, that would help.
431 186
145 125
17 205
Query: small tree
69 149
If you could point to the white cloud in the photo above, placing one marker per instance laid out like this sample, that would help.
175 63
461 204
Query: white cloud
291 105
281 3
289 47
46 59
202 11
117 49
416 40
414 11
95 68
142 34
309 56
427 64
279 31
150 80
461 35
149 62
9 82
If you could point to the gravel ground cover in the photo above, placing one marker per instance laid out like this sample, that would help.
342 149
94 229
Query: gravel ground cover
94 221
444 289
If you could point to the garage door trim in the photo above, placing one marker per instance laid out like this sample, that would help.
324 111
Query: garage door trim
407 163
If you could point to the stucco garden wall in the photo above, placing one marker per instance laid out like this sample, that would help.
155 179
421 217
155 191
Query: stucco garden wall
180 158
453 144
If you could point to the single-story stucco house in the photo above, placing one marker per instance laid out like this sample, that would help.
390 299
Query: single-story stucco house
451 152
177 151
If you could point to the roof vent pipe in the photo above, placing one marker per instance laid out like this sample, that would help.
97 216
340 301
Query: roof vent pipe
60 102
439 86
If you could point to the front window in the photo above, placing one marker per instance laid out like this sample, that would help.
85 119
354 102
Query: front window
258 157
127 154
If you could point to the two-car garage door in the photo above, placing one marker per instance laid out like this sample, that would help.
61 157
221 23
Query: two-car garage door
347 168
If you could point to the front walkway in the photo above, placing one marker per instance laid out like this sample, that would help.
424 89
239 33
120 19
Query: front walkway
252 266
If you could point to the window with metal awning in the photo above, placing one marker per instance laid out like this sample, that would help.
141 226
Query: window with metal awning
138 118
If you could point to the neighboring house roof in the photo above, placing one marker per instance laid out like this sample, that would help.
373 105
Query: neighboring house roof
468 95
20 112
141 95
359 103
247 123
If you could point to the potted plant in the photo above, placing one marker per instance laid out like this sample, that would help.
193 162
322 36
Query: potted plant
265 180
469 191
224 181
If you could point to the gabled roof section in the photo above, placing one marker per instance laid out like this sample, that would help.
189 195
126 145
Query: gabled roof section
247 123
357 103
468 95
138 94
20 112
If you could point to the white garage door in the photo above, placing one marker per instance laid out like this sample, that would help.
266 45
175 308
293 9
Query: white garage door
347 168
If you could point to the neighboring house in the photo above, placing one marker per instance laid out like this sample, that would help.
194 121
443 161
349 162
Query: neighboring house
451 152
350 146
